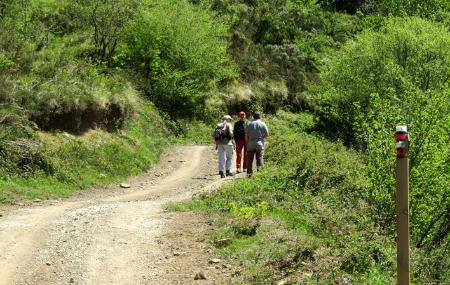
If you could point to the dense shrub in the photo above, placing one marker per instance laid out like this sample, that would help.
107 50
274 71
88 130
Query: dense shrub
19 146
266 96
46 71
105 20
180 50
395 76
427 9
427 116
407 56
62 92
282 41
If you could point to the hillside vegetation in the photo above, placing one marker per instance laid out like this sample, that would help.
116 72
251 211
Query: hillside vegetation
91 91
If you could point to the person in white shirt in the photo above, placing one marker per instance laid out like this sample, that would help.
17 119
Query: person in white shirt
224 140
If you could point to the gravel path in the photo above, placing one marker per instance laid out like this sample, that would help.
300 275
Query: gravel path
111 235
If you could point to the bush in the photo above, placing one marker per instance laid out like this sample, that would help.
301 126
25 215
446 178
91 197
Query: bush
426 115
106 21
282 41
396 76
427 9
20 147
406 57
247 219
179 48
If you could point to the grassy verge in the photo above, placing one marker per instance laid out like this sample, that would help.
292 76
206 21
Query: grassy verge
61 162
304 219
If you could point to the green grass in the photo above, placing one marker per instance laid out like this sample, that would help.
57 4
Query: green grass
68 162
13 189
317 229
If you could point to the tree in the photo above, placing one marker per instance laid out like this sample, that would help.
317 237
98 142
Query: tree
107 19
181 52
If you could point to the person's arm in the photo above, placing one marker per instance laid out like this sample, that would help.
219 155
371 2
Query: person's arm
230 130
266 131
246 133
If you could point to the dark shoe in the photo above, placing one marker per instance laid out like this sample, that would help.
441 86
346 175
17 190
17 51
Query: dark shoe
238 171
221 174
229 173
249 175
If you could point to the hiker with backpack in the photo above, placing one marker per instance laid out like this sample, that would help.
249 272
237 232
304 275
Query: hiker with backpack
255 132
223 136
241 142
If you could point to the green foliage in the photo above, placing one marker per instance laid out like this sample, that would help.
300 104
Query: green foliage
285 123
431 9
427 115
427 9
191 131
46 73
54 164
247 219
180 50
392 77
19 148
60 87
266 96
281 42
107 19
5 62
408 56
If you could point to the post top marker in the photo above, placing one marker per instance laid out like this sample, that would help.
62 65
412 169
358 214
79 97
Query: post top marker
401 129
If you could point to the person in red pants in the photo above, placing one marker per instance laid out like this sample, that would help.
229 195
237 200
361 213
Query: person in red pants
241 143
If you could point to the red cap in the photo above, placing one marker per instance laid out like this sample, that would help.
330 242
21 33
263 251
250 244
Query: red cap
241 114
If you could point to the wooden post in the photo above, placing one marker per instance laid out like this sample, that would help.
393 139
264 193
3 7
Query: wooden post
402 137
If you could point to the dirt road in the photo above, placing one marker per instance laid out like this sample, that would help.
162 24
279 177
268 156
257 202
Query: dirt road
110 235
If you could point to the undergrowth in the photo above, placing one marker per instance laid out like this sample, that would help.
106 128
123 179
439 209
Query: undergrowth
316 226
